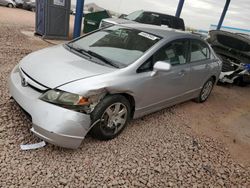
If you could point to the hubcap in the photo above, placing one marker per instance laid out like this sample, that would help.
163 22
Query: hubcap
206 90
114 118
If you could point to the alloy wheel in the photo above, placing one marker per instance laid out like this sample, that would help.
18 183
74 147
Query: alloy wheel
206 90
114 118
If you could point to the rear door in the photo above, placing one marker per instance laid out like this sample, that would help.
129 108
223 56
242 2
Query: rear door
200 63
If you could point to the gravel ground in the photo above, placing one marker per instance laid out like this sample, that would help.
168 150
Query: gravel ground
159 150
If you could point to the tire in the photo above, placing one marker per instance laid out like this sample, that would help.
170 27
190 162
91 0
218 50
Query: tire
111 123
205 91
10 5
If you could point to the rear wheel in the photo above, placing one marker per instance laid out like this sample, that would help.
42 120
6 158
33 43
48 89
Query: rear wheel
10 5
113 113
205 91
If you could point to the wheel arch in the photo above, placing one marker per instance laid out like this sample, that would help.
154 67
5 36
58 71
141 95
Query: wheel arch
130 98
214 78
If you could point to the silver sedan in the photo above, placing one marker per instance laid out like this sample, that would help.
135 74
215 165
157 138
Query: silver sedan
8 3
98 82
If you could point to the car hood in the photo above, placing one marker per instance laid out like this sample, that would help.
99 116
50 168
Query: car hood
230 41
56 66
119 21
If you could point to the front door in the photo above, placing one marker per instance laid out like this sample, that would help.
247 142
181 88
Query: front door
169 87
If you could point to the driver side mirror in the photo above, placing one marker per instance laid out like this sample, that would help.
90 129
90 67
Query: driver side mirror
161 66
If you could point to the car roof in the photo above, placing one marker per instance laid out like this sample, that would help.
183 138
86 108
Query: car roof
161 31
162 14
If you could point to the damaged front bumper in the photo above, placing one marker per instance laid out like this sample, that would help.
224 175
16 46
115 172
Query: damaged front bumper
54 124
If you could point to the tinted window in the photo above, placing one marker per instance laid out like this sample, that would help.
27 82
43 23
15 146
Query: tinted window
149 18
199 51
166 20
179 23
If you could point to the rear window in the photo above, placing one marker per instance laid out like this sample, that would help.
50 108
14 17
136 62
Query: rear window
173 22
166 20
149 18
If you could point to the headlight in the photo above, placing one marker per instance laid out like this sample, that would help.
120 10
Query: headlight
64 98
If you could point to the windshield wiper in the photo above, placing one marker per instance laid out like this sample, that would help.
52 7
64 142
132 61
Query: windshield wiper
96 55
91 54
80 50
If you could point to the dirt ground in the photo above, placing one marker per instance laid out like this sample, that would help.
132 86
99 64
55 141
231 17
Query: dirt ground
226 117
188 145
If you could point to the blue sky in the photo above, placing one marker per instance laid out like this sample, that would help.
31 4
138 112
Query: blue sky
196 13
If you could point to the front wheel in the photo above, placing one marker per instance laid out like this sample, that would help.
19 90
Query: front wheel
10 5
205 91
113 114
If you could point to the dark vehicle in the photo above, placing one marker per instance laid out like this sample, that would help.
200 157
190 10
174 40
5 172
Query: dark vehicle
19 3
234 50
29 5
147 17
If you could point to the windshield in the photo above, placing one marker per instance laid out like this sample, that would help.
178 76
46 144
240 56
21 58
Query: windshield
134 15
119 45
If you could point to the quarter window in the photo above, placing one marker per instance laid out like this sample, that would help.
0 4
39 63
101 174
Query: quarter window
199 51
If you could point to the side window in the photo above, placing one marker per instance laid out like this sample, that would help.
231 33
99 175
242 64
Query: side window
150 18
174 53
199 51
166 21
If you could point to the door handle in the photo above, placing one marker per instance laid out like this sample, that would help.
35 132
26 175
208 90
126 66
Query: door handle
182 73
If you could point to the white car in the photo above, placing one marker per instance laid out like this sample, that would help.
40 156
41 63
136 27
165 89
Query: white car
8 3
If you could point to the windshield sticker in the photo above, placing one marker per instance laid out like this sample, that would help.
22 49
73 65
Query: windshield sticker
149 36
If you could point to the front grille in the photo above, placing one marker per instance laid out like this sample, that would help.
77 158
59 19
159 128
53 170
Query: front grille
36 85
35 88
